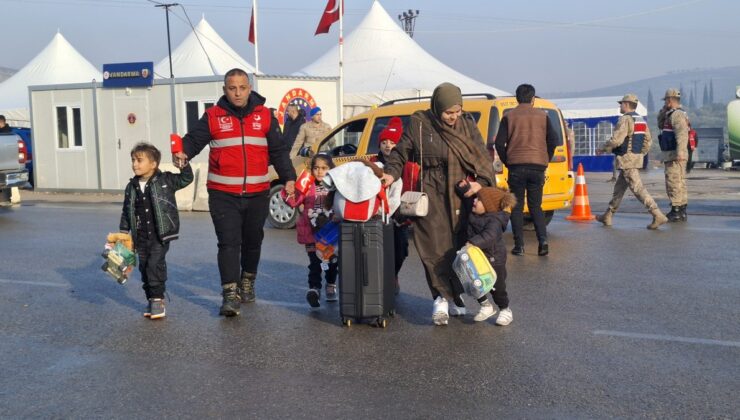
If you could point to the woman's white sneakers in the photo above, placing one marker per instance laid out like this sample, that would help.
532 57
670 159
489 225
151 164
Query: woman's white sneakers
504 317
457 310
486 311
440 313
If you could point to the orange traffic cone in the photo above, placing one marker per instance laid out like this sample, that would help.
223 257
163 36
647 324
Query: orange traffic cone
581 208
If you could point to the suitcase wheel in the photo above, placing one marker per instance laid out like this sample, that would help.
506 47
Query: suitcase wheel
392 312
347 322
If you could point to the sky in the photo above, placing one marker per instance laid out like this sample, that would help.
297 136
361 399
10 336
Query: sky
559 46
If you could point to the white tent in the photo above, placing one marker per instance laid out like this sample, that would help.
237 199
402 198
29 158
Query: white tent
58 63
381 62
206 54
597 107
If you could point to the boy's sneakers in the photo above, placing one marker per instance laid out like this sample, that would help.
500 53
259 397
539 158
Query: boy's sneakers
231 300
504 317
312 296
486 311
440 314
457 307
331 292
246 287
148 310
157 308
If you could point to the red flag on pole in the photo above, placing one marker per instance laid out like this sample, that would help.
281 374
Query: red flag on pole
251 28
330 15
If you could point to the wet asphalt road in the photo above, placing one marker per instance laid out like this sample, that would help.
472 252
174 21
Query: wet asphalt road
616 322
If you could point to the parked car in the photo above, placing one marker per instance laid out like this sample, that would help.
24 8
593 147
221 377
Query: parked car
357 138
13 172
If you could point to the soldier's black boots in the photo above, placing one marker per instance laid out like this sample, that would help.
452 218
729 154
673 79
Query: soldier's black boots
677 214
231 300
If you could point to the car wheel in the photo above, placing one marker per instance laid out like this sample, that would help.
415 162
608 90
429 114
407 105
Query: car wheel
281 215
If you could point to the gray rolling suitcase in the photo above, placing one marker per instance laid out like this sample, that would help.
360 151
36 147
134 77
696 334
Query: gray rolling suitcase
366 272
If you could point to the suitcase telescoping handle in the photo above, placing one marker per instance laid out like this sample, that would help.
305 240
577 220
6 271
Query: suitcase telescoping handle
365 245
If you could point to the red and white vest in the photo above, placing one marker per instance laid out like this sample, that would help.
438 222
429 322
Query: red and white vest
239 157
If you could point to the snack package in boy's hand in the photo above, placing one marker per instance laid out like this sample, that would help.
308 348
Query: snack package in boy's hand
119 256
474 271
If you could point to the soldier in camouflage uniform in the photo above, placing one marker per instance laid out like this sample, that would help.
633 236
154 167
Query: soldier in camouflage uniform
629 143
674 142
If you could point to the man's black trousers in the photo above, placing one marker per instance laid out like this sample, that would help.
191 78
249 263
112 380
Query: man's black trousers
239 222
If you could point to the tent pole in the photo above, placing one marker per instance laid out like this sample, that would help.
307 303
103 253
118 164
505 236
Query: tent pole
256 50
341 60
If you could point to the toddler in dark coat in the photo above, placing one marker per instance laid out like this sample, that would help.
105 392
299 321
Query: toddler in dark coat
486 227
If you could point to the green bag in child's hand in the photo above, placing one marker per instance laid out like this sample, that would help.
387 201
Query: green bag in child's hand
119 261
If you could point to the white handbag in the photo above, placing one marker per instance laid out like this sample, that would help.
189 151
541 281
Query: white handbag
416 203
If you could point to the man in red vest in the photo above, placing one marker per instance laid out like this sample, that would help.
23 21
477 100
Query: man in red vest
244 138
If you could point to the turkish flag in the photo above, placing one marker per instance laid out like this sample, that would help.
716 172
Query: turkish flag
330 15
304 181
251 28
175 143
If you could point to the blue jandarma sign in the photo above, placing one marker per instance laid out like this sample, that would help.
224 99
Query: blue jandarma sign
128 74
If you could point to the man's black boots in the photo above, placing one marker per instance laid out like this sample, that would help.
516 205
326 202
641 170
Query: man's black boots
231 300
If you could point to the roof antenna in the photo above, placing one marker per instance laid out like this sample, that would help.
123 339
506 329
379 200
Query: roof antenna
390 72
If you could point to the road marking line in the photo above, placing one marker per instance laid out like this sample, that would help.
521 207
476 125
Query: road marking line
33 283
260 300
91 207
710 229
660 337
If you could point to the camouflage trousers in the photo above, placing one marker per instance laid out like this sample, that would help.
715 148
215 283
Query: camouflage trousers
630 178
675 182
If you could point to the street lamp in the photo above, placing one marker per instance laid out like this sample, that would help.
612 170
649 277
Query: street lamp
409 21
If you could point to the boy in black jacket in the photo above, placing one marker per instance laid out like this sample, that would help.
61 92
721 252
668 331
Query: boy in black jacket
486 226
150 215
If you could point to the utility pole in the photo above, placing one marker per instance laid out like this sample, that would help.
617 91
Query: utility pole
173 108
166 7
409 21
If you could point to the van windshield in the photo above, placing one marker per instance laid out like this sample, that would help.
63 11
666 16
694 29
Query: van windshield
345 140
381 122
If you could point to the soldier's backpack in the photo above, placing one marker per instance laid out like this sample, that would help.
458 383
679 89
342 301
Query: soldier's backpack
693 140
